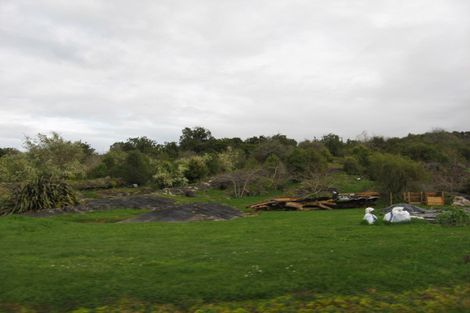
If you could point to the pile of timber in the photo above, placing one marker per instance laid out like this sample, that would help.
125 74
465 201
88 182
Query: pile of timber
318 203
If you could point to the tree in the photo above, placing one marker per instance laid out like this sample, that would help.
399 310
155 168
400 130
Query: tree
272 146
197 139
301 161
136 168
240 180
142 144
275 171
333 143
56 156
8 151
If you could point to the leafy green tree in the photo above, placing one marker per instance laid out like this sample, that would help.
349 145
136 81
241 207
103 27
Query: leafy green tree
333 143
142 144
8 151
272 147
197 139
170 150
301 161
57 156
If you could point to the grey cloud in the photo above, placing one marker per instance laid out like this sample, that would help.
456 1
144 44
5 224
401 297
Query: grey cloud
103 71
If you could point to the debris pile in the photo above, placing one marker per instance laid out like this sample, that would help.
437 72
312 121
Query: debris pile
461 201
339 201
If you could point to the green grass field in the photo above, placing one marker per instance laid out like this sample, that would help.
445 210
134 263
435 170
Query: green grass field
87 260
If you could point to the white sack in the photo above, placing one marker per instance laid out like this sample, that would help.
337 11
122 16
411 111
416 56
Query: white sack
398 215
369 217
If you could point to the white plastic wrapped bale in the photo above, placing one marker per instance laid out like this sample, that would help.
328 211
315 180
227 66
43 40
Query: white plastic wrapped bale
369 217
398 215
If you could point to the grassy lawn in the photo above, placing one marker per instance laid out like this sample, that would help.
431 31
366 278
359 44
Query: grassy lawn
86 260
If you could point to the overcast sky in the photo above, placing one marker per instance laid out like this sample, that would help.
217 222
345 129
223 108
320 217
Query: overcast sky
103 71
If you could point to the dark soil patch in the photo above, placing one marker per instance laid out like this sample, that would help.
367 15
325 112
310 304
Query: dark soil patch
188 212
163 209
131 202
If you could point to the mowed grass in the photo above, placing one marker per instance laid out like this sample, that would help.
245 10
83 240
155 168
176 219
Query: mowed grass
71 261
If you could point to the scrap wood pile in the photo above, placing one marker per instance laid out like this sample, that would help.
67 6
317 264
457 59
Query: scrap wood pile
318 203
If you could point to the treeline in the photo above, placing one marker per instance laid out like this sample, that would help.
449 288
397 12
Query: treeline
438 160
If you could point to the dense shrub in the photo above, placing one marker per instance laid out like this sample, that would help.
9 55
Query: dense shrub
301 162
196 169
424 152
394 173
42 193
271 147
213 164
351 166
454 217
97 183
136 168
169 174
53 155
16 168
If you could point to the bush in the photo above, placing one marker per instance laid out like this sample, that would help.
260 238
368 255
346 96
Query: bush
393 172
196 169
56 156
16 168
302 161
97 183
454 217
169 174
136 168
42 193
352 166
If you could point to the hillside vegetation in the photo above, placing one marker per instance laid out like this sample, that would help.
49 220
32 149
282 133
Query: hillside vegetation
436 161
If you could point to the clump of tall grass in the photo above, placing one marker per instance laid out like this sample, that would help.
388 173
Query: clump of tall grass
41 193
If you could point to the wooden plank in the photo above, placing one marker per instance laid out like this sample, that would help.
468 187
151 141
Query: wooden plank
294 205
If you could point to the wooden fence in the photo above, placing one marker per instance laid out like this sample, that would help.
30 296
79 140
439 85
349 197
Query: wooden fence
427 198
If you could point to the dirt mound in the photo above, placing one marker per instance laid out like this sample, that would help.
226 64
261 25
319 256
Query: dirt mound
188 212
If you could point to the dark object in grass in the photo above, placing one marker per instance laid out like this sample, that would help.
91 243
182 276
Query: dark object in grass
189 193
188 212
